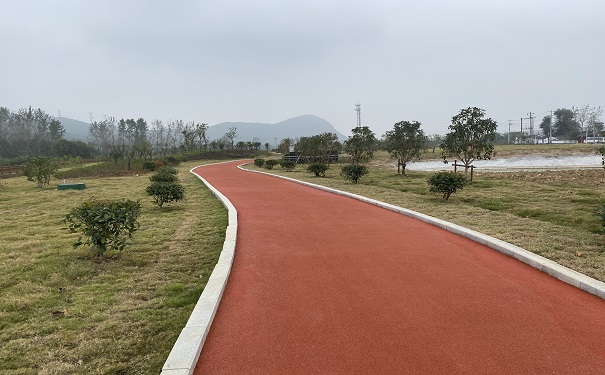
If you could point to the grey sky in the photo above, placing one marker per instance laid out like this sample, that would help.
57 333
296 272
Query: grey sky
266 61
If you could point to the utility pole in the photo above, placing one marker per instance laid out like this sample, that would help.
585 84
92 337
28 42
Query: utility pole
531 127
550 129
510 122
90 114
358 110
521 130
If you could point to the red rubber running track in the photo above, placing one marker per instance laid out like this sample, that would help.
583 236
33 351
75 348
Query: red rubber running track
324 284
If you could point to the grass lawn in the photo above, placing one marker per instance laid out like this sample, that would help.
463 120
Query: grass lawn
63 312
548 213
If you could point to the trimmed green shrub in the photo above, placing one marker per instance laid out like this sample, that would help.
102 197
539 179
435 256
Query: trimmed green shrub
353 172
164 186
319 169
171 160
165 174
149 166
269 164
260 162
106 224
39 169
447 183
166 169
165 192
288 165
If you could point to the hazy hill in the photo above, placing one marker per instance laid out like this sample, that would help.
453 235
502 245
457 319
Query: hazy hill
74 129
301 126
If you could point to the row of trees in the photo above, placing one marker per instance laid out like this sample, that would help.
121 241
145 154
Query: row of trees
135 139
471 137
28 132
36 133
33 132
573 123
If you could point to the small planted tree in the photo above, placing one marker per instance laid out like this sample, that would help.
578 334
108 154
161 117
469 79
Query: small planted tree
288 165
353 172
470 138
269 164
405 143
106 224
259 162
164 186
447 183
40 169
361 144
319 169
165 192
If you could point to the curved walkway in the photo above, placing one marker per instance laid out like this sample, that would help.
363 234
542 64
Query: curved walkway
324 284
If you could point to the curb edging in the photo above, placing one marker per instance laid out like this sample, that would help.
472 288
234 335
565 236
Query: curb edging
552 268
188 346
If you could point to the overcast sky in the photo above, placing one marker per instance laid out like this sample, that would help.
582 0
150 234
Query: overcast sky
266 61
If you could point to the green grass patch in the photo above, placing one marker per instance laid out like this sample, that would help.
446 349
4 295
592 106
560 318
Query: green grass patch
63 312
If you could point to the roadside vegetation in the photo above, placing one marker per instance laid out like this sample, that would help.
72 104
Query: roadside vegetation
66 311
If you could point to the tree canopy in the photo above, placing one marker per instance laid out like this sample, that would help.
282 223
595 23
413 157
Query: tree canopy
565 124
361 145
405 143
28 132
470 138
319 147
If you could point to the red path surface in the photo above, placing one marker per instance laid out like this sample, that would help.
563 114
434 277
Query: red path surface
324 284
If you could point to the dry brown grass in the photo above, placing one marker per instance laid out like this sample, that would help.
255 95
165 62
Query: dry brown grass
63 312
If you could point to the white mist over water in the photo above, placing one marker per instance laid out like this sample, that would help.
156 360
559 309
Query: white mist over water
518 163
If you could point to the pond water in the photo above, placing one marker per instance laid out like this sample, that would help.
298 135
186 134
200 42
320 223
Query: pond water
518 163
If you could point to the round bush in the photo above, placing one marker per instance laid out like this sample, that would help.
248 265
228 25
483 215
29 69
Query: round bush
447 183
269 164
353 172
165 192
149 166
319 169
106 224
165 174
260 162
288 165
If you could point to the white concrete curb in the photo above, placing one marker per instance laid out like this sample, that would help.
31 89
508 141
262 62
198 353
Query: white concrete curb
187 348
548 266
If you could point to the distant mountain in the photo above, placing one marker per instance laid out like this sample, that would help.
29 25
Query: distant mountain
74 129
301 126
